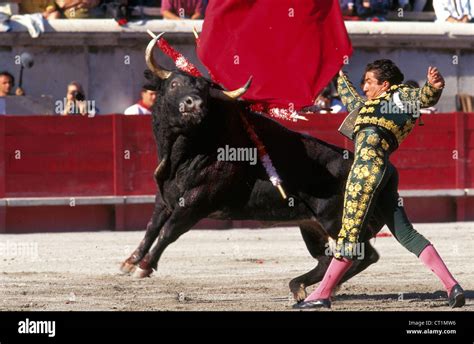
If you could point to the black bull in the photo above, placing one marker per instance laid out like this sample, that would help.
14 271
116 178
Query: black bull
191 122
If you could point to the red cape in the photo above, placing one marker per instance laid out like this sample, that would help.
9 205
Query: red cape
292 48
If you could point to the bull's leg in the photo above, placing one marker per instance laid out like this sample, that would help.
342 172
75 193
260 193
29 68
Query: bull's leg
298 285
316 240
315 237
180 221
160 214
371 256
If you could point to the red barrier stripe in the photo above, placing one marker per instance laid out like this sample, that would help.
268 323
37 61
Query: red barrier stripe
61 156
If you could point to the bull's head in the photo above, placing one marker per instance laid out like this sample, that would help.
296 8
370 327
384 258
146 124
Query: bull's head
183 98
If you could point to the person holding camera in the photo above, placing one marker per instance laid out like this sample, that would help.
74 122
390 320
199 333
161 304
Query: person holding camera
7 81
75 100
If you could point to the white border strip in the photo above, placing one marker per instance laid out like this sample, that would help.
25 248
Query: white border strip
388 28
76 201
149 199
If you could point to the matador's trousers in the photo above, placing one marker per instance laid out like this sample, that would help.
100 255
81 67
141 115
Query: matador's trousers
370 174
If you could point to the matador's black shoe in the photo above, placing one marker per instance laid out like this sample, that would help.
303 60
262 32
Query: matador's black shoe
321 303
456 297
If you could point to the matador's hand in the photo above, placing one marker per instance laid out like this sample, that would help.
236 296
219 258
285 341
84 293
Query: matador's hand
435 78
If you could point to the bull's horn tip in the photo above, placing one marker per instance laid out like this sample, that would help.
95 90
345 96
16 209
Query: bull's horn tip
157 37
150 62
150 33
239 92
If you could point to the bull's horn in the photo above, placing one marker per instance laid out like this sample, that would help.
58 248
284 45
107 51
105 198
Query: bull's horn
238 92
150 61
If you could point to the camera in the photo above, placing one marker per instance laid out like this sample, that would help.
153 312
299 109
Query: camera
78 96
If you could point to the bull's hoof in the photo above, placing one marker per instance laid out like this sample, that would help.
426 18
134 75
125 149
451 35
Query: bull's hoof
299 291
127 268
142 273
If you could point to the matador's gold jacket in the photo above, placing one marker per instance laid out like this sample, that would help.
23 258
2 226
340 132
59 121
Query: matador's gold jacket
395 110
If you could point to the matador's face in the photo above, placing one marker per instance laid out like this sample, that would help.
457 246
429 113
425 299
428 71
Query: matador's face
372 87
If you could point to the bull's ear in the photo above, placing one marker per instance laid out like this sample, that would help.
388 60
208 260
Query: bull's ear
152 78
149 75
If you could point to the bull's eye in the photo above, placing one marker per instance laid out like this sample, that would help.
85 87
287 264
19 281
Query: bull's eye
174 84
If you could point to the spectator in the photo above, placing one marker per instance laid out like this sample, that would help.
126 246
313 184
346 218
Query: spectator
329 101
145 8
413 5
347 7
183 9
9 7
76 9
6 84
76 103
452 11
326 102
7 81
144 105
375 10
47 8
146 3
419 5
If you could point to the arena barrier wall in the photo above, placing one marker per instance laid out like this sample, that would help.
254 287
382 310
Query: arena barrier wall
77 173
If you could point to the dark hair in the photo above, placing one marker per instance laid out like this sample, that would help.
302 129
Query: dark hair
385 70
148 87
80 90
77 84
5 73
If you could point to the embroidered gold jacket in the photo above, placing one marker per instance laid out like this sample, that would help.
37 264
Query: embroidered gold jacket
395 110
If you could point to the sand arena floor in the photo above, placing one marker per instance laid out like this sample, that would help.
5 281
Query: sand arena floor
218 270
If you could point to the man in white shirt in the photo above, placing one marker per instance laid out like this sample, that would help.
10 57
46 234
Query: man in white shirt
144 105
452 11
